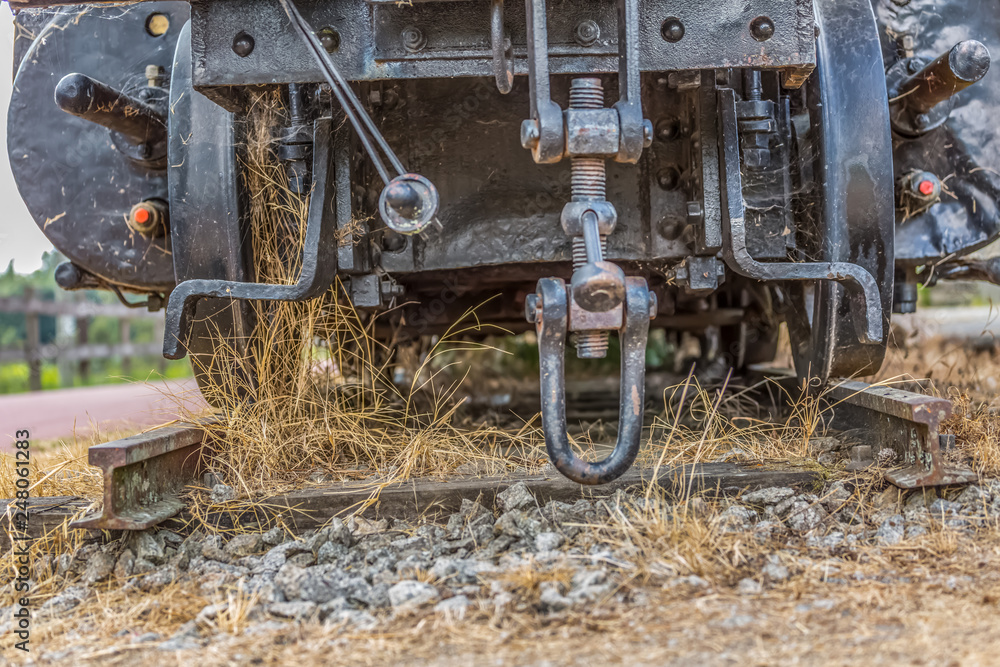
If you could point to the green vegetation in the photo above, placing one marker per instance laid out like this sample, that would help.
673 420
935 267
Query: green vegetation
100 330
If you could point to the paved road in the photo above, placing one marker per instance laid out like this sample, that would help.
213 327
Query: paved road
60 413
973 323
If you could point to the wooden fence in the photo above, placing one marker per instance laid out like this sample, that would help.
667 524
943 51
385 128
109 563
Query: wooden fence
77 354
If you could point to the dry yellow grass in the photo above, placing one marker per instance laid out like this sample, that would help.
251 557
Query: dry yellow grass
323 399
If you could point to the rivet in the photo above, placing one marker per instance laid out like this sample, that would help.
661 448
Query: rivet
762 28
243 44
672 29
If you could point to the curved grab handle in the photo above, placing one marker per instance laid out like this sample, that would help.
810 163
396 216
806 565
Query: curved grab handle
319 259
551 327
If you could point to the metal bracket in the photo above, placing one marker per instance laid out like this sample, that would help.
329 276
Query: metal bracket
636 132
866 300
319 259
551 323
543 132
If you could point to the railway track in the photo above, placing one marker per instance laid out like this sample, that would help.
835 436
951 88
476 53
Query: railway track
146 475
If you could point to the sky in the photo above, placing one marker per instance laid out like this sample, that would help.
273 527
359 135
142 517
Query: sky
20 239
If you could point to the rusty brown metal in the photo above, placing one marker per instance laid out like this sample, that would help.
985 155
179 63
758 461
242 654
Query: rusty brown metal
906 422
144 475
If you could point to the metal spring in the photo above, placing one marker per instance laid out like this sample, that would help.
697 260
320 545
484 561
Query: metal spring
580 250
592 344
586 93
588 178
589 344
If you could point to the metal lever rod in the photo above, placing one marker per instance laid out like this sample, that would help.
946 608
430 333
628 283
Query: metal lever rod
861 285
543 133
87 98
503 63
356 114
319 259
955 70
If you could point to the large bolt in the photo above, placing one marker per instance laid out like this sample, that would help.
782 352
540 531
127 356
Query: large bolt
329 38
672 30
587 32
531 303
413 39
647 133
588 182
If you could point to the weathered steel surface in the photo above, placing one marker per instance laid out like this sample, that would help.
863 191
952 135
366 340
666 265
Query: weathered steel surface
414 499
907 423
144 475
457 38
45 515
308 508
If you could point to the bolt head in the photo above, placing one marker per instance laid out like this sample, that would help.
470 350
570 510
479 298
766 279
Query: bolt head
647 132
530 134
922 120
912 65
413 39
531 303
330 39
762 28
669 178
587 32
672 30
243 44
598 286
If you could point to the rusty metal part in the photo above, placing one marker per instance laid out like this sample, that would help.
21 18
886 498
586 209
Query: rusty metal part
551 325
905 422
143 477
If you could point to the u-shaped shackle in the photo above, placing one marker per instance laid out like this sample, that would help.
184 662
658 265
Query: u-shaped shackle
551 326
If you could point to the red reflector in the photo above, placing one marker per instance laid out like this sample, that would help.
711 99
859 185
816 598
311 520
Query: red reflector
926 188
141 215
